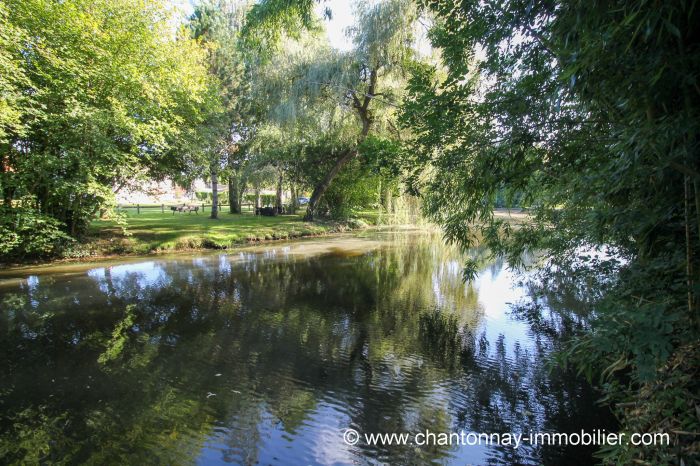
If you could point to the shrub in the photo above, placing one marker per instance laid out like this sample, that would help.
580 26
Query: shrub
28 234
357 224
203 196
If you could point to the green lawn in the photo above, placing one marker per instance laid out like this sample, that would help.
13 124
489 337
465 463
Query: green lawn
152 231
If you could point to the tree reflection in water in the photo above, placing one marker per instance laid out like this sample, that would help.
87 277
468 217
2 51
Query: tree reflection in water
268 357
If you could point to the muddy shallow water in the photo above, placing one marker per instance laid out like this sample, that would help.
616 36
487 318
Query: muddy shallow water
266 355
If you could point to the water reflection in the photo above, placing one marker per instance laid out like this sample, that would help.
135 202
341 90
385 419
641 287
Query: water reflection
267 357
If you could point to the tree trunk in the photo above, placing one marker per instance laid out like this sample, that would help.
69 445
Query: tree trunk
387 196
294 204
278 200
8 192
257 198
322 187
234 202
214 192
242 185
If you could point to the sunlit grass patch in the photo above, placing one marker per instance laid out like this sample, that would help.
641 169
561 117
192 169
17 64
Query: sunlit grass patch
153 231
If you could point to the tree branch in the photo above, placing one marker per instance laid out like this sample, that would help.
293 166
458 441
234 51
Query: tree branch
355 93
370 90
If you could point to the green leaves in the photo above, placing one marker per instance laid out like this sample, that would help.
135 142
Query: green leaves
268 19
26 233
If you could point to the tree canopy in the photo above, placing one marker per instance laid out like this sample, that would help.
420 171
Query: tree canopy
97 93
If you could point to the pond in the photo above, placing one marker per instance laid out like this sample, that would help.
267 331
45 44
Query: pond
267 355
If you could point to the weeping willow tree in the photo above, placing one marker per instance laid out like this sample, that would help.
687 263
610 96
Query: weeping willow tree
355 92
297 122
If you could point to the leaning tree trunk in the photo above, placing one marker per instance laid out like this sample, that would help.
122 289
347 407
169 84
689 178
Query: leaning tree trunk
322 187
278 197
347 156
214 192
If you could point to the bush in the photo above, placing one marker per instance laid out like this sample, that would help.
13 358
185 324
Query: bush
265 199
357 187
208 198
223 197
357 224
203 196
26 233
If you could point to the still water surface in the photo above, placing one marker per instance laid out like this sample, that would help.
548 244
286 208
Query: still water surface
265 356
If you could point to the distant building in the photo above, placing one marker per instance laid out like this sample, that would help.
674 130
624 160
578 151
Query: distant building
163 192
169 192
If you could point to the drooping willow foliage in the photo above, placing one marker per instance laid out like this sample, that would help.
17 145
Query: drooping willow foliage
356 92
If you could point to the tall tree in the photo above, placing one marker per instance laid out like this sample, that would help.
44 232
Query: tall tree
220 23
213 23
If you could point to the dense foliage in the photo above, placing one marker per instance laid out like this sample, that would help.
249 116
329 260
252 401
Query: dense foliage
94 93
588 112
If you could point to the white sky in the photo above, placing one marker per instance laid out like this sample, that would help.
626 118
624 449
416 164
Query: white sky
186 6
342 18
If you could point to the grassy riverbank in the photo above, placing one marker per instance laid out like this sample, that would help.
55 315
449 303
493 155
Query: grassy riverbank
155 232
